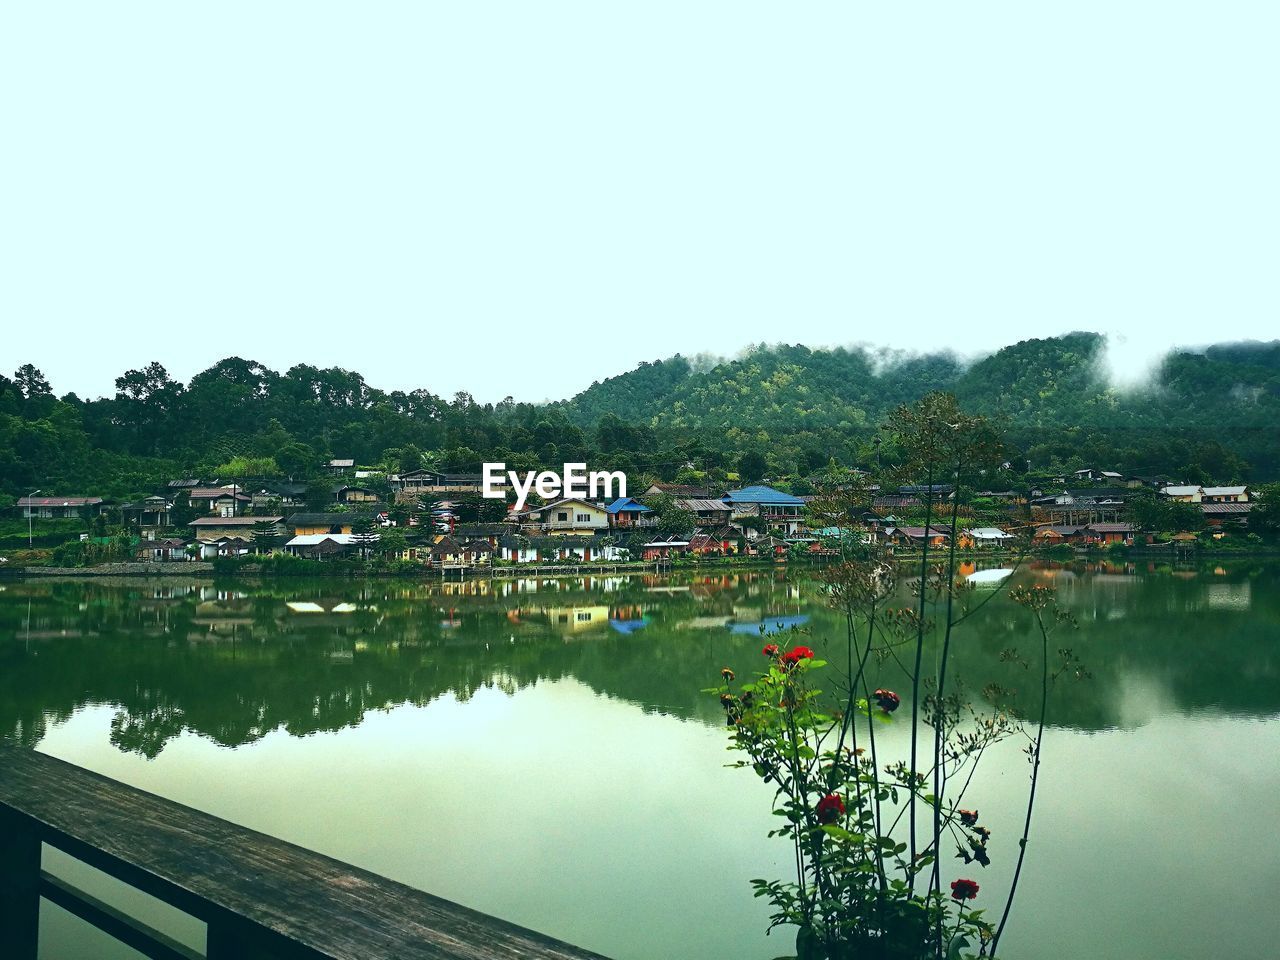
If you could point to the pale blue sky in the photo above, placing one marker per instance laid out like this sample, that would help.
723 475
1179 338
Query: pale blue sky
438 194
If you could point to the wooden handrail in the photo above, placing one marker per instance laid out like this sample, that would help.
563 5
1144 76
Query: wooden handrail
260 896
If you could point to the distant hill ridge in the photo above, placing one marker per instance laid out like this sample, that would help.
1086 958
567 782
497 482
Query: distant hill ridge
1035 388
775 411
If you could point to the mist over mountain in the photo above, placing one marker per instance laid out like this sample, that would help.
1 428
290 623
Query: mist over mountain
1053 397
778 411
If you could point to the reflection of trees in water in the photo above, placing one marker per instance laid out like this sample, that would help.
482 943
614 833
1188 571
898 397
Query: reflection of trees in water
310 657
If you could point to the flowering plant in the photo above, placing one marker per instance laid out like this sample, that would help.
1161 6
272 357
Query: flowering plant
868 833
853 895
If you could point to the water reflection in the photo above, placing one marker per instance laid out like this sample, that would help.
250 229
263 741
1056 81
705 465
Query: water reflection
232 662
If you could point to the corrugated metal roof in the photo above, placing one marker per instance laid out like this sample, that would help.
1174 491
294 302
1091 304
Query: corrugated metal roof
762 494
696 504
627 505
58 501
1210 508
235 521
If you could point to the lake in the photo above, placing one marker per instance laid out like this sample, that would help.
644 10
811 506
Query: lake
542 750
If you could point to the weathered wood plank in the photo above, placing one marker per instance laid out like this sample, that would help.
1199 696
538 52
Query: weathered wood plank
279 899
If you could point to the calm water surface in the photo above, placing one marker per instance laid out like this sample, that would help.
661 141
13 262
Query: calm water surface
541 750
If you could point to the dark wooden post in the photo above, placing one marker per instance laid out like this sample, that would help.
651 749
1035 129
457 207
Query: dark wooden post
19 887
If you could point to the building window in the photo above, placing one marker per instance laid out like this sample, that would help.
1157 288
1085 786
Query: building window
562 516
583 617
584 518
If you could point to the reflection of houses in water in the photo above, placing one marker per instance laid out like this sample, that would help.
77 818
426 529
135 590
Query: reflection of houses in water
581 617
210 592
173 591
628 618
704 623
1229 596
331 615
466 588
769 625
221 617
576 619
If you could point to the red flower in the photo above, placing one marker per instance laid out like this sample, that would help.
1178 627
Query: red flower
771 650
968 817
887 700
830 808
964 889
796 654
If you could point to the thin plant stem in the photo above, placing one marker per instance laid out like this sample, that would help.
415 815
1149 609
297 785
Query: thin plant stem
1035 776
915 675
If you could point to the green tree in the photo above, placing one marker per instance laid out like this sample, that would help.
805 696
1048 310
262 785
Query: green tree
752 465
1264 519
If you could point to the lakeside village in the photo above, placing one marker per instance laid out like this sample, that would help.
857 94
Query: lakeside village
438 521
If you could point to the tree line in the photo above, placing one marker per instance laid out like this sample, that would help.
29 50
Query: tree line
779 413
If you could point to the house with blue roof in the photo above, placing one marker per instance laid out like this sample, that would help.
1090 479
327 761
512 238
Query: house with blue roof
627 513
782 512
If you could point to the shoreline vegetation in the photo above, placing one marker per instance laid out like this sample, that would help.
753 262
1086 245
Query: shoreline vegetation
283 566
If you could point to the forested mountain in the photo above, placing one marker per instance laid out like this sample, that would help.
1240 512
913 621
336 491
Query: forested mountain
1215 411
779 411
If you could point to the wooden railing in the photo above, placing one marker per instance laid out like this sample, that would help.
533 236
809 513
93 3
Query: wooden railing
261 898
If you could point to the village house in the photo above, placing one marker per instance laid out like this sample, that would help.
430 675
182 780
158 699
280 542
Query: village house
1108 533
782 512
415 483
570 517
477 553
664 548
148 513
447 552
1183 494
344 493
769 546
1083 506
701 544
491 533
709 512
1237 494
724 540
277 495
235 528
627 513
1091 475
918 536
1053 534
306 524
572 549
321 546
1217 515
163 550
514 548
340 466
225 501
223 547
989 537
60 508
